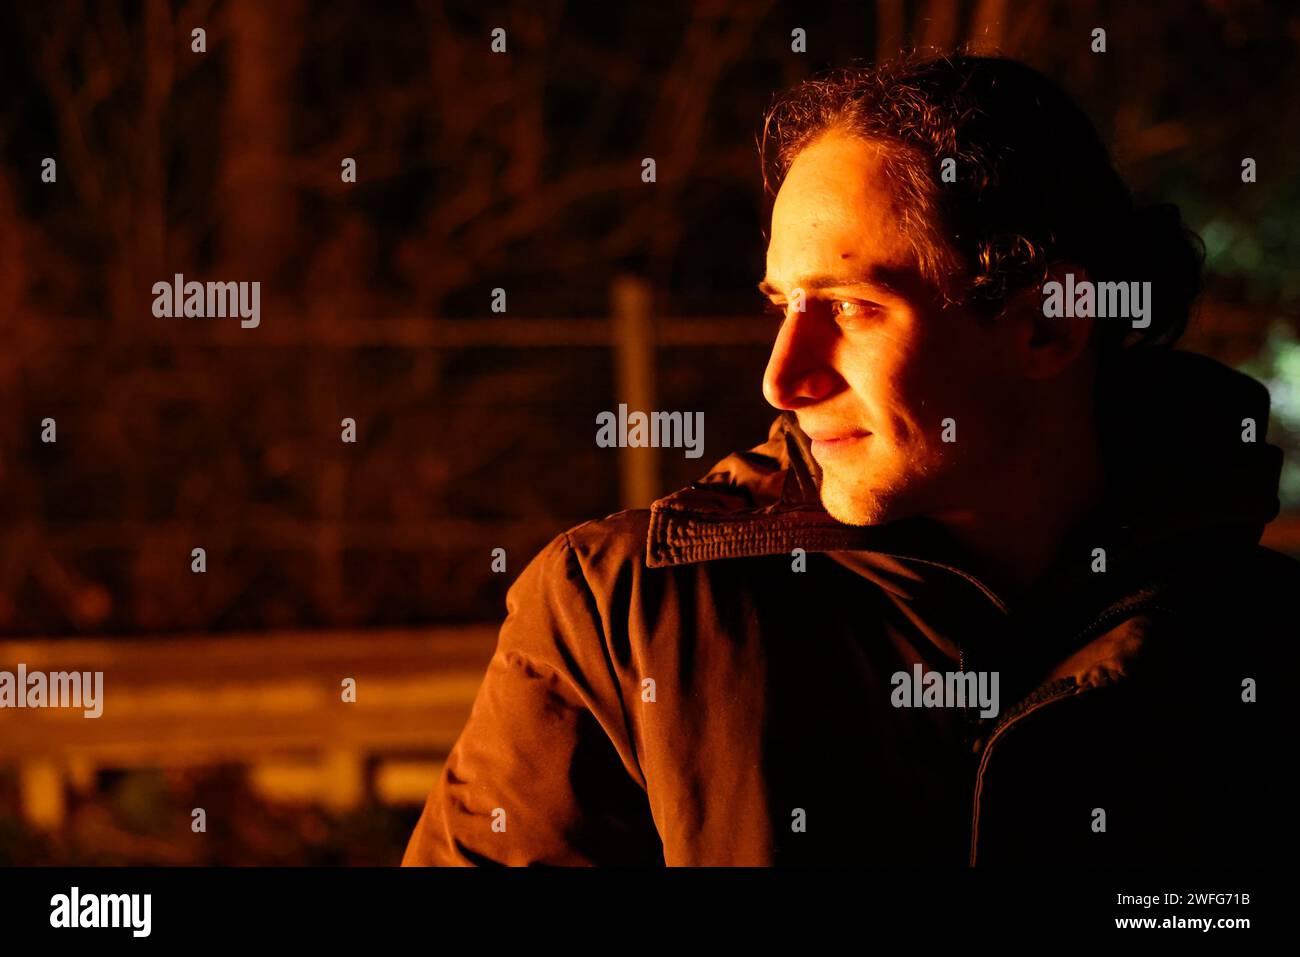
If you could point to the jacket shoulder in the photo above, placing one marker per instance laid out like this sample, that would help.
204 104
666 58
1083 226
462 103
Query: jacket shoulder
1274 578
582 566
1276 567
613 541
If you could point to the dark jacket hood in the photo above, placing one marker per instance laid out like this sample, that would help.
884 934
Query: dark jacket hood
1173 427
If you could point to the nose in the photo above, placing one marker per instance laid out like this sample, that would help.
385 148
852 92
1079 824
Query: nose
799 372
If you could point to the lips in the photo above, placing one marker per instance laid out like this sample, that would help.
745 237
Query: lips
833 433
833 437
828 444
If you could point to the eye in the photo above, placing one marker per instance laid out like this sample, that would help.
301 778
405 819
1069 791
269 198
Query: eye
775 309
850 311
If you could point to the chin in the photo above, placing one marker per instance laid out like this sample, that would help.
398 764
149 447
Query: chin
853 504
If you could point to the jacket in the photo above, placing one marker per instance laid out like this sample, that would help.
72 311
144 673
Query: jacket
670 686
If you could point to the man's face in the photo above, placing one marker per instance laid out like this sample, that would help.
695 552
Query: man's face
873 368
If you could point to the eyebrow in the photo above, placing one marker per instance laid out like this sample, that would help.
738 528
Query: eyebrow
872 280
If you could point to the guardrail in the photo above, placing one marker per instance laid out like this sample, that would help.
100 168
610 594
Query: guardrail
274 702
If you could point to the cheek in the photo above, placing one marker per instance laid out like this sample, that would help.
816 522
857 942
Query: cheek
955 376
899 390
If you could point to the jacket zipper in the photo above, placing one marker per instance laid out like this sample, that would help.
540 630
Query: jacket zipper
1064 688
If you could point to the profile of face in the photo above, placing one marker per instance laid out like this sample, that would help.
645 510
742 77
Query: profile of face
911 406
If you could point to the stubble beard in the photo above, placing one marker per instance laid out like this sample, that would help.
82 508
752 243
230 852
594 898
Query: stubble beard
855 502
853 496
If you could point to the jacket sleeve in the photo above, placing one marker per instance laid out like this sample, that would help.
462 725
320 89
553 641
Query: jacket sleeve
544 771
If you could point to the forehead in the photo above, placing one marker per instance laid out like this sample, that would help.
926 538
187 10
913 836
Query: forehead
836 212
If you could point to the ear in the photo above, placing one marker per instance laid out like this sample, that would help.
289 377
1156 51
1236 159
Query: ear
1046 340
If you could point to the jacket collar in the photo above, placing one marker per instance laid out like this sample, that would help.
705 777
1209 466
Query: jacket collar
760 502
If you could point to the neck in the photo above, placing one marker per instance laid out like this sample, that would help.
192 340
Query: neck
1015 529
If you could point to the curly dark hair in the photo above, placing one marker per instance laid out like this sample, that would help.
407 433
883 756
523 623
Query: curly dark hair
1034 186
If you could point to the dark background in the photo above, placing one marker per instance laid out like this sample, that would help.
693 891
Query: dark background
476 171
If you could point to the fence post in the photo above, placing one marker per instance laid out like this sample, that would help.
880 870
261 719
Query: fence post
40 793
634 373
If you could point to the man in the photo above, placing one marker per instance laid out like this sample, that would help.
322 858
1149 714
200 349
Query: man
990 593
